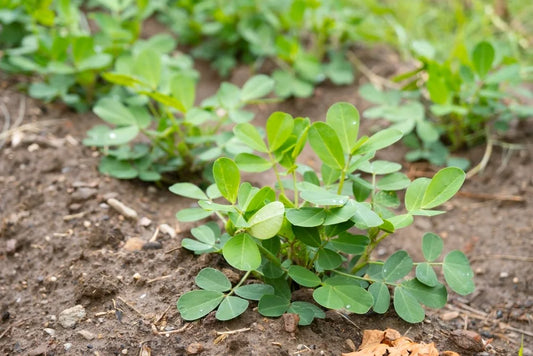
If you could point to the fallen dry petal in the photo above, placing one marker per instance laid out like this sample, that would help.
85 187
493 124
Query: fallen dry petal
391 343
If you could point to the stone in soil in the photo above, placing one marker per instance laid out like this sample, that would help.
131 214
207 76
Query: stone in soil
68 318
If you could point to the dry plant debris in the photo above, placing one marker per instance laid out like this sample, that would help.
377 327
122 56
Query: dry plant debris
390 342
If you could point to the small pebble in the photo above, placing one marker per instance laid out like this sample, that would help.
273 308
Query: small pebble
194 348
152 245
516 280
50 331
126 211
87 335
167 229
53 279
124 351
69 317
67 346
499 314
87 223
90 347
504 275
145 222
137 276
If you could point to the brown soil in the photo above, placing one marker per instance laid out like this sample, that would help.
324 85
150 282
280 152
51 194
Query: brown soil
61 246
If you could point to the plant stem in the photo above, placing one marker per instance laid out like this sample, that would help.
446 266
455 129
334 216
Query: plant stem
343 174
246 275
366 255
270 256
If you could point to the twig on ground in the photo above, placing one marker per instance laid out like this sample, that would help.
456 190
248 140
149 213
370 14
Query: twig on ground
173 249
158 278
229 332
182 329
374 78
131 306
348 319
161 316
154 236
486 196
5 331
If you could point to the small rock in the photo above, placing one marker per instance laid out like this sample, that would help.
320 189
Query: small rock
516 280
134 244
67 346
350 344
74 207
122 209
468 340
69 317
504 275
137 276
145 222
194 348
33 147
83 194
50 331
11 246
167 229
447 316
290 322
124 351
5 315
87 335
152 245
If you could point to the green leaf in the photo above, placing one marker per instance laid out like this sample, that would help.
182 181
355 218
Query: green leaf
188 190
323 197
102 136
241 252
340 214
306 217
344 119
458 273
364 217
327 297
117 168
381 296
207 233
393 182
264 195
272 305
432 246
443 186
198 303
349 297
328 259
114 112
231 307
254 291
147 64
415 193
251 163
306 311
256 87
379 140
97 61
308 235
249 135
397 266
279 127
351 244
482 58
212 279
426 274
267 221
227 178
407 306
325 142
379 167
192 214
121 79
433 297
427 132
229 96
303 276
183 89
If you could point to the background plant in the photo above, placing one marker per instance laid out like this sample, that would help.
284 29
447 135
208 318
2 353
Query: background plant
53 40
318 229
453 104
155 97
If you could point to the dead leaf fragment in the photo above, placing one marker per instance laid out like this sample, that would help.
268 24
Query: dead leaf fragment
134 244
391 343
468 340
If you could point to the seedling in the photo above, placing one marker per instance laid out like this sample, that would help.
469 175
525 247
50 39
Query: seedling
446 106
157 100
318 226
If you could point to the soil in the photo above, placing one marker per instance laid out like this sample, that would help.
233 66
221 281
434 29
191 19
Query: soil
62 245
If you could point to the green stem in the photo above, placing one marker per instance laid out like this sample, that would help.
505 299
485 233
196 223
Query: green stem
295 181
276 172
270 256
246 275
343 174
374 242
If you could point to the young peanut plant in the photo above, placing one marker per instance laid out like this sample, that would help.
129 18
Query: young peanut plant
317 227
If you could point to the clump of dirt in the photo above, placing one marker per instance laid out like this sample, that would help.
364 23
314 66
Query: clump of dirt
62 245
